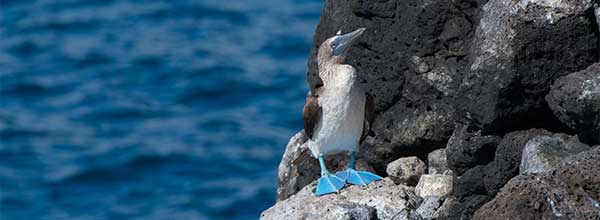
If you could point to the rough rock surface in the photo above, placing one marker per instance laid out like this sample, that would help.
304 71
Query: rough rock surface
543 153
471 183
510 69
429 207
299 168
466 150
570 192
406 170
437 162
443 212
437 185
407 59
481 183
391 201
575 100
465 208
508 158
350 211
519 49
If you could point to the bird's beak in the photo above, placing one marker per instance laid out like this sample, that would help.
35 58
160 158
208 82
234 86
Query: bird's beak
343 42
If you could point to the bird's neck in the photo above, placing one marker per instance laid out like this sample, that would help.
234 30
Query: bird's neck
337 75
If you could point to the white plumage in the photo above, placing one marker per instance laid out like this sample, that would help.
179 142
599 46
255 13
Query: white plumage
343 103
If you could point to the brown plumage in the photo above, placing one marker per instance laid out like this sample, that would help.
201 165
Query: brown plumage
311 113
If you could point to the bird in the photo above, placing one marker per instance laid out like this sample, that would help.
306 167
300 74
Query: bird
337 113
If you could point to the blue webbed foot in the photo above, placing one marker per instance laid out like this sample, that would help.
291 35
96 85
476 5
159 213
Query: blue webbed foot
329 183
355 177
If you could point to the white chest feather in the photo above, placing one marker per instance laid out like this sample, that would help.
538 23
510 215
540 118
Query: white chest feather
341 125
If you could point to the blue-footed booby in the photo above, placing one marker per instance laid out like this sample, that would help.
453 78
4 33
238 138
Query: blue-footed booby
334 113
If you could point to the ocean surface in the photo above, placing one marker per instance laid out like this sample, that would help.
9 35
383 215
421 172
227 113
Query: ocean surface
133 109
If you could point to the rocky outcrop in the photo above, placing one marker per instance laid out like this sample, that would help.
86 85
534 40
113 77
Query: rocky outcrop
465 84
390 201
571 191
575 100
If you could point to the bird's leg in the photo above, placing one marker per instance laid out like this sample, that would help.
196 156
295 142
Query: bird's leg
352 159
328 183
355 177
324 170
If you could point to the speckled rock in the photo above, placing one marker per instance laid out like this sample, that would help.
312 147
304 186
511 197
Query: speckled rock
437 162
350 211
572 191
391 201
437 185
406 170
429 207
543 153
575 100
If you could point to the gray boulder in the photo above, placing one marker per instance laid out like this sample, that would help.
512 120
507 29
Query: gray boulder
543 153
436 185
390 201
406 170
296 169
575 100
572 191
438 162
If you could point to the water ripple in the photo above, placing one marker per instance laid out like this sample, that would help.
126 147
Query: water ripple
148 110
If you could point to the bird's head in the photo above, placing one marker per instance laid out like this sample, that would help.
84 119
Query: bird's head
335 49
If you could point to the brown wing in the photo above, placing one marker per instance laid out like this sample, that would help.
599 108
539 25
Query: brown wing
369 116
312 114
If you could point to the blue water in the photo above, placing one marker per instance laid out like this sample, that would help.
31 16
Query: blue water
148 109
